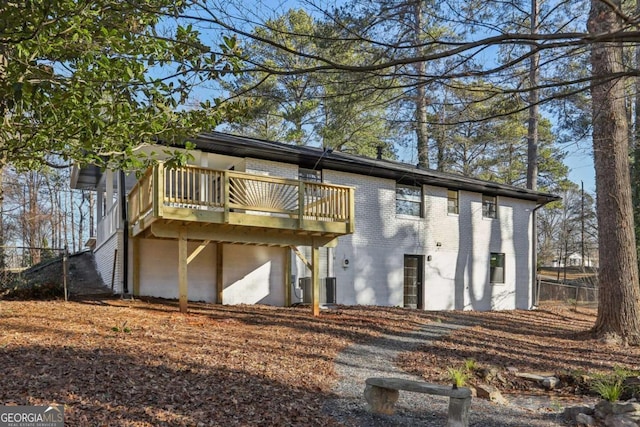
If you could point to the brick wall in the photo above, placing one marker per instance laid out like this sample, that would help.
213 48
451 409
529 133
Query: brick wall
104 261
456 249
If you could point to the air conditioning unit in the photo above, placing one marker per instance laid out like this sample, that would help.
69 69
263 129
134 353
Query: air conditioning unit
330 290
327 290
305 284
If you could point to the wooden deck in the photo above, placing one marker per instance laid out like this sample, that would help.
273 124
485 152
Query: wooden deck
236 207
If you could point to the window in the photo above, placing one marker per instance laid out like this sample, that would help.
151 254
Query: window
408 200
452 201
489 206
496 268
309 175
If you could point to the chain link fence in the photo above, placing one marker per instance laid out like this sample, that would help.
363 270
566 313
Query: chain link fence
557 293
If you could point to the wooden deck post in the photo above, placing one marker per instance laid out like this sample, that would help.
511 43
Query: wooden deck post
315 279
159 193
352 210
182 269
301 206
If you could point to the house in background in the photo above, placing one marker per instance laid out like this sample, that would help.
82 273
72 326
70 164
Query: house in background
575 260
253 221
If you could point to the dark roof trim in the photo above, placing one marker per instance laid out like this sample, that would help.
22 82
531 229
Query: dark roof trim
310 157
85 177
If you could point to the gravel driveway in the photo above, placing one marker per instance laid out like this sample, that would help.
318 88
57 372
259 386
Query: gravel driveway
376 359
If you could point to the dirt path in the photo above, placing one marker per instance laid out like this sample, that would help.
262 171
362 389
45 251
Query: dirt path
360 361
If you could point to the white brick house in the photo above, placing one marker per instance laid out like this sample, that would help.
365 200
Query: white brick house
261 222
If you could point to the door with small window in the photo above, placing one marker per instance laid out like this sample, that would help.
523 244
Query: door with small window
413 283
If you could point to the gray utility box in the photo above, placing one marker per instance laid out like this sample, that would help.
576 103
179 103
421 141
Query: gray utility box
327 290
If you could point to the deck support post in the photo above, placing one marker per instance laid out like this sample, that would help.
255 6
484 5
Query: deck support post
182 269
315 279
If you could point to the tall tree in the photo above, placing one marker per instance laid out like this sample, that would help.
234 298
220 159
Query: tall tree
287 105
619 293
634 114
404 28
493 149
534 110
466 59
329 109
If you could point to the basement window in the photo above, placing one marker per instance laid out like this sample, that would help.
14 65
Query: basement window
496 268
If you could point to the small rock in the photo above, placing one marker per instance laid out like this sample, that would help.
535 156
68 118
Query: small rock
501 378
474 392
533 377
619 421
602 409
624 407
491 393
550 383
571 412
585 420
488 374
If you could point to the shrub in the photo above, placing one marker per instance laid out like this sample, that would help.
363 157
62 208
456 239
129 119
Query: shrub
611 386
470 365
458 376
608 387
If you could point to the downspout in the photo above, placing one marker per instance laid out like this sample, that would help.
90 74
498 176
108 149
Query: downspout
125 234
534 255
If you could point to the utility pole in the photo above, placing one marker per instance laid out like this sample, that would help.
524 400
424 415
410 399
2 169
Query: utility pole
582 221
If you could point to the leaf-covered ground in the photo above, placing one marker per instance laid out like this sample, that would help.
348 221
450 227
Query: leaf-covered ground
144 364
550 341
137 363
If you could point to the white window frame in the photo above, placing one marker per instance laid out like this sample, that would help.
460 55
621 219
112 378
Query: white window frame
404 199
488 202
497 262
453 202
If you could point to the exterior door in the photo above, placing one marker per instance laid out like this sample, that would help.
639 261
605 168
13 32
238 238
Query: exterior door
413 287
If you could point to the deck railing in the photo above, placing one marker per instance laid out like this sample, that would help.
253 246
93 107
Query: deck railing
229 191
108 224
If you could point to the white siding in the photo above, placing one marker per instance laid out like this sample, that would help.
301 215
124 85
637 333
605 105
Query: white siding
159 270
456 276
455 248
253 275
104 255
376 250
266 167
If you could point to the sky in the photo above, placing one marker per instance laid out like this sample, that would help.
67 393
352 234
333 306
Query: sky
578 159
581 169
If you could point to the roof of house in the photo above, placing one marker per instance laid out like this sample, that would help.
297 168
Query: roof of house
318 158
